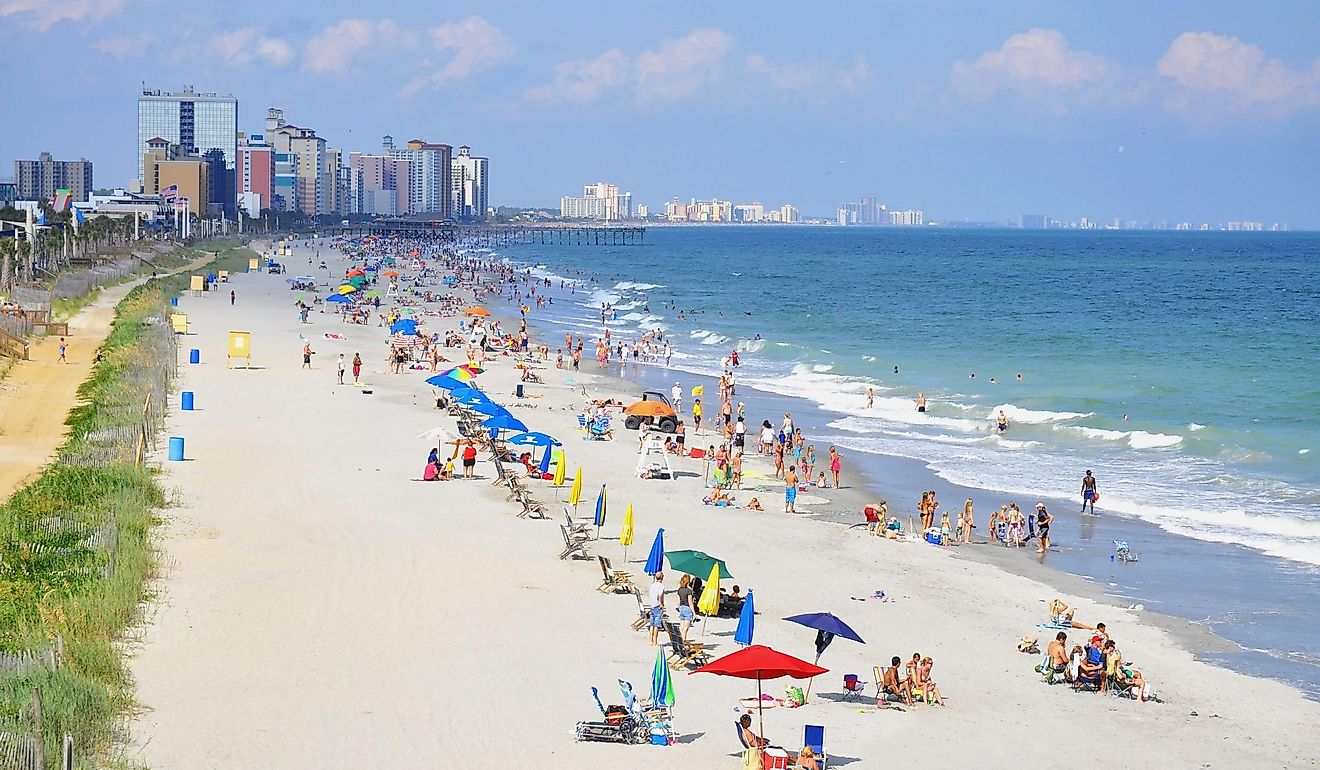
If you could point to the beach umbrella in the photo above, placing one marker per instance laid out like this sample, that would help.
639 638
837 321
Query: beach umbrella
696 563
444 383
346 289
662 685
338 298
406 326
463 372
761 663
391 273
560 471
746 622
372 293
356 281
354 273
403 310
827 627
545 462
709 603
503 422
626 531
475 311
463 392
655 562
575 494
492 410
601 506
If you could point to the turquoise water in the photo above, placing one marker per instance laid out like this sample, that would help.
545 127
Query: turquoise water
1207 342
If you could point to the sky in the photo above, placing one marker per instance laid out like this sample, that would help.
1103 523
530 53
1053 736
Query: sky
1192 110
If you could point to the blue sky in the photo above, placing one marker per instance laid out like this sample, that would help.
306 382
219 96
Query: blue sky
1201 111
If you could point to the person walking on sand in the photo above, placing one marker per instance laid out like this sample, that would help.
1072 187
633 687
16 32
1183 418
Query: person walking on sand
696 416
341 368
1043 521
836 464
1089 492
357 369
790 489
232 297
307 355
64 349
657 618
676 393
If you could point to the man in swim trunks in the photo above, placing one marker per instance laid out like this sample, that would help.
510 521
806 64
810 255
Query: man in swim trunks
1002 420
1043 521
921 402
790 490
1088 492
1058 654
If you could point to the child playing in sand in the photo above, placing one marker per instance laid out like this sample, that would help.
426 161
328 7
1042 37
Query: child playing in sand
754 505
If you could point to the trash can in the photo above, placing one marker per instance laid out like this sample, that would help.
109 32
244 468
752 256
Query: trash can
194 356
176 448
187 397
174 301
519 390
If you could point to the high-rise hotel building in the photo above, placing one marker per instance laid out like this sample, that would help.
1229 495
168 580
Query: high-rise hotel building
202 124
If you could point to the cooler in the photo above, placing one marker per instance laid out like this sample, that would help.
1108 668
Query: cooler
774 758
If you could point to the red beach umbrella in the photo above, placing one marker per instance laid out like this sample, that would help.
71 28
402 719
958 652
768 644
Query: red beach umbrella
760 662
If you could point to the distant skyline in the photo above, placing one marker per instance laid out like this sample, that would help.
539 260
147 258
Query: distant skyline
1181 111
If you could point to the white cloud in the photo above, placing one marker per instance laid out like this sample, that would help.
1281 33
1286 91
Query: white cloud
1215 72
44 14
125 46
333 48
676 69
809 79
1035 62
473 44
244 46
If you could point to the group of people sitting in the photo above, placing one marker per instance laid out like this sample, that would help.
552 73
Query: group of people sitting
914 682
1097 665
803 760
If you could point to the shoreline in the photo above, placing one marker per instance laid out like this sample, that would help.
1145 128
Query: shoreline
1071 563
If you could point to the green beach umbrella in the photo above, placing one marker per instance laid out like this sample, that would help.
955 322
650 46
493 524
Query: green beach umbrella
373 293
696 563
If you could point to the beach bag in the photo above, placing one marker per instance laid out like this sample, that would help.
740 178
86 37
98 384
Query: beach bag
795 695
615 715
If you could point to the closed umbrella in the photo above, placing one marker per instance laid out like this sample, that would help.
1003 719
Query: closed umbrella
709 603
655 562
746 622
760 663
575 494
545 462
626 531
662 685
601 505
560 471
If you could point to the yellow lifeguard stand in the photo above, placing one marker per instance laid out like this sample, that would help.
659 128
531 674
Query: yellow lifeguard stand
197 285
253 265
240 346
223 276
179 322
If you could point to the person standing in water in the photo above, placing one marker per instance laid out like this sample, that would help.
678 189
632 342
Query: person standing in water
921 402
870 397
1043 521
1089 492
1002 421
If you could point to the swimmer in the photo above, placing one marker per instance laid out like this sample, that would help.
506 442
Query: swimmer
1019 377
870 397
993 382
921 402
1002 421
895 370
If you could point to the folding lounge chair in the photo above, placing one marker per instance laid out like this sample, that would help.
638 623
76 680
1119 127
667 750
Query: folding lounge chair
532 509
614 579
643 612
573 547
681 652
576 528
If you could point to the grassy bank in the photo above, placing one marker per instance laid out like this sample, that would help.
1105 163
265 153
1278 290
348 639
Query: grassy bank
76 554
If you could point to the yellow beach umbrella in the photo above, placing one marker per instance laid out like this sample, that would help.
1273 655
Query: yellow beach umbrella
575 494
626 531
709 603
559 469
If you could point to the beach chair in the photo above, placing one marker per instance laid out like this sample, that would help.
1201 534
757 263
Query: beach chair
576 528
582 423
852 686
533 509
573 547
643 612
814 736
682 653
614 579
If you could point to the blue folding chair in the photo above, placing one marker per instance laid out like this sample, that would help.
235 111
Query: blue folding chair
814 736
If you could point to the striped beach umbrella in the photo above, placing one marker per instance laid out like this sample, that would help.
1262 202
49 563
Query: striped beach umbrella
662 685
601 503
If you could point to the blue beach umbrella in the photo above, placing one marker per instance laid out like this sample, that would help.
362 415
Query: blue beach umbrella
504 421
544 468
656 561
662 686
533 438
406 325
828 626
340 298
467 391
445 383
601 504
490 409
746 621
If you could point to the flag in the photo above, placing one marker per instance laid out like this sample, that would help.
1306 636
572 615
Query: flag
700 390
170 193
41 217
78 217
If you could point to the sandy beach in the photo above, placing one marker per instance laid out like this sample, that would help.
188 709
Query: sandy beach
322 608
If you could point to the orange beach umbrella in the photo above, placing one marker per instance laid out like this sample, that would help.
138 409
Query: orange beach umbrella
481 311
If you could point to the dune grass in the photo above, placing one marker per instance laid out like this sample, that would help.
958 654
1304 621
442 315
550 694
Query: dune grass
52 583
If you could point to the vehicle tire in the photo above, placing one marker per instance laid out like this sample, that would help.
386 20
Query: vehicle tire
632 422
668 425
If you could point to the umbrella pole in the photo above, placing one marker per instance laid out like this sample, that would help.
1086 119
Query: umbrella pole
760 706
808 695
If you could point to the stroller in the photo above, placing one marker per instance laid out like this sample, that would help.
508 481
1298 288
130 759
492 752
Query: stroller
1124 553
655 721
618 725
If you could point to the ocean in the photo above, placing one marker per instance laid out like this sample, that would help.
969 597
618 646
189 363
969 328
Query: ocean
1180 367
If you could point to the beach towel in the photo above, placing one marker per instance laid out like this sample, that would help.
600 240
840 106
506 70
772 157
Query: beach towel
1054 624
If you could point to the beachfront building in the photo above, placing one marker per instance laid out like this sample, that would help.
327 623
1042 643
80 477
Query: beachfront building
255 174
786 214
469 175
169 170
866 211
308 177
204 125
378 184
600 201
675 210
430 188
749 212
37 180
907 218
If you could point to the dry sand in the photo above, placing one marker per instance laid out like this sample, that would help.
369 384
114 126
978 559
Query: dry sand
322 609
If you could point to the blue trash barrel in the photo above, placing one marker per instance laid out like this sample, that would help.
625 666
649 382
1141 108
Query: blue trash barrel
187 400
194 356
176 448
174 301
519 391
